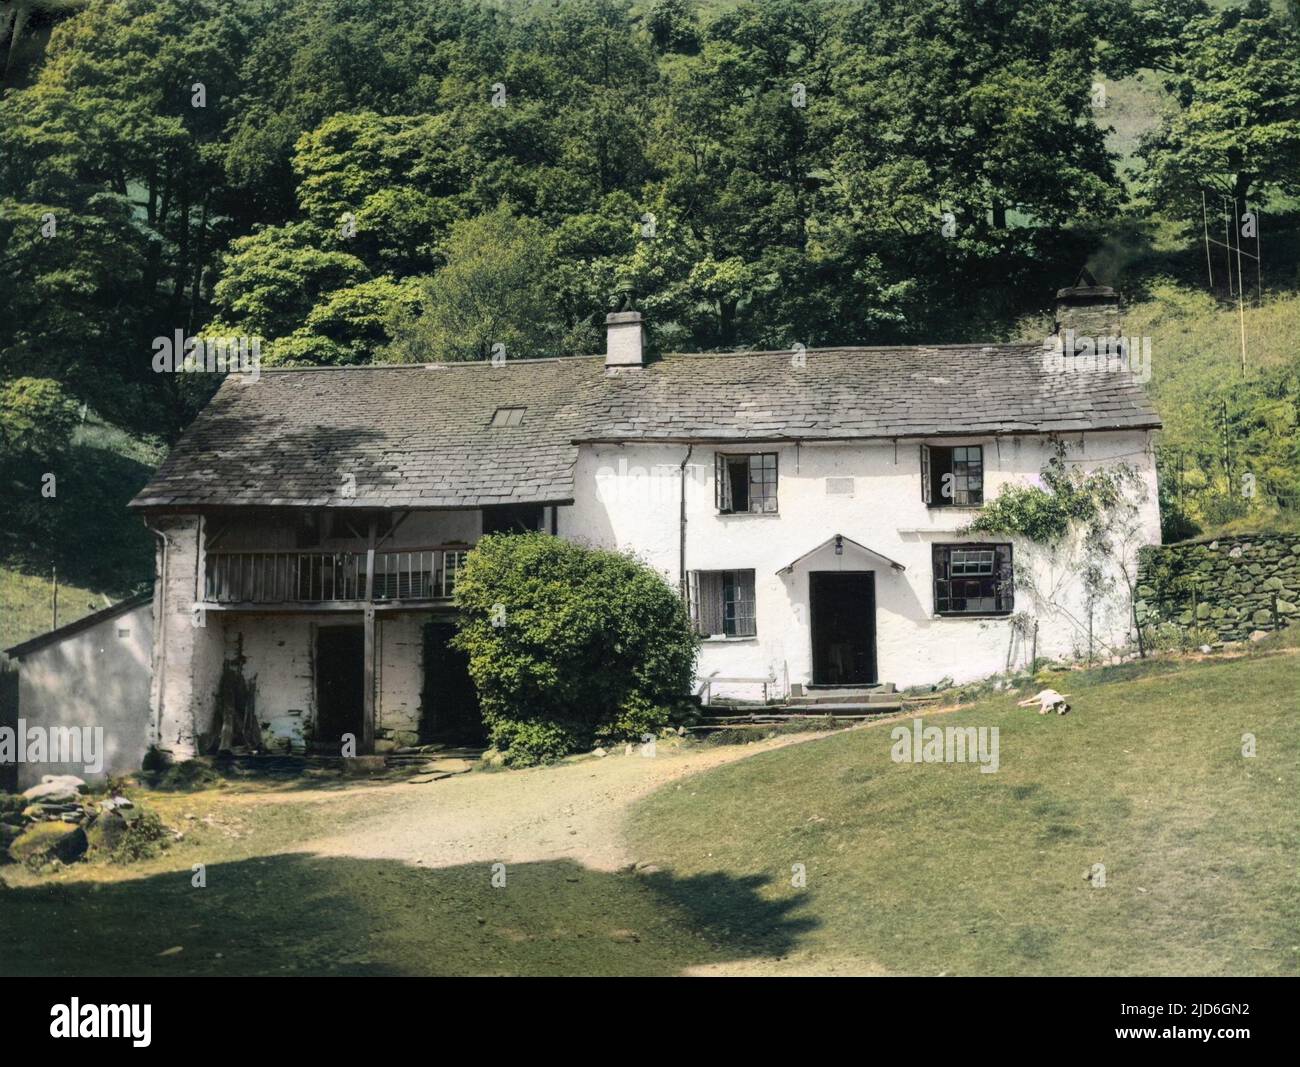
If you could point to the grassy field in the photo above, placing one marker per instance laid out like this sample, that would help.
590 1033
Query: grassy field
910 868
25 605
941 869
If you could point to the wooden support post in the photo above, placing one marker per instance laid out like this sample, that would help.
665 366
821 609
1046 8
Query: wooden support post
368 706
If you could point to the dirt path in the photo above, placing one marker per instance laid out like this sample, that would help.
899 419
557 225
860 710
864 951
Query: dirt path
574 811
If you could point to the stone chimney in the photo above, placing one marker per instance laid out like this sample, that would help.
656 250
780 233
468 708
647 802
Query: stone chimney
624 339
1089 309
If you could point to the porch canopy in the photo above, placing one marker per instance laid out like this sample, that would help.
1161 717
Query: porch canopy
839 540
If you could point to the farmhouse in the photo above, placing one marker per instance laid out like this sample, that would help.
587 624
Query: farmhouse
810 506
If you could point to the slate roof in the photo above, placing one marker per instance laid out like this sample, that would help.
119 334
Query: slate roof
420 436
411 435
865 392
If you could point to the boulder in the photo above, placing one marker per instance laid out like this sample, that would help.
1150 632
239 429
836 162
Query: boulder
107 831
56 788
45 841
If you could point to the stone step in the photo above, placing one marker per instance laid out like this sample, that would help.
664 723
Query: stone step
784 714
873 695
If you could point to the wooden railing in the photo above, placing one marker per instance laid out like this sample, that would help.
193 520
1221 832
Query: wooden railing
315 576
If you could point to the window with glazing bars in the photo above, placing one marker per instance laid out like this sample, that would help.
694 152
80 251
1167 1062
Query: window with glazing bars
745 484
722 603
973 580
952 477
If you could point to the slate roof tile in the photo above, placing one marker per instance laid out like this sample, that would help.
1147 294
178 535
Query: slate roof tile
420 436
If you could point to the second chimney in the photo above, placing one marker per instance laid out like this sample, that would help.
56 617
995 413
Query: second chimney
1087 308
624 339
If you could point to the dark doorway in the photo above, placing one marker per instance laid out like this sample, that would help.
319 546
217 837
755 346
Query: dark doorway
340 686
843 608
449 703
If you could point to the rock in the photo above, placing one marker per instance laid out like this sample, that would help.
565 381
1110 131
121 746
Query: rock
363 765
1258 635
599 752
37 812
45 841
112 803
107 831
56 788
384 746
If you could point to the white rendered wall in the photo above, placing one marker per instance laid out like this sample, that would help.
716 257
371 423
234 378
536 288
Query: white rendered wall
627 497
97 677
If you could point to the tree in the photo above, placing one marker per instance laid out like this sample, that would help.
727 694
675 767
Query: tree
492 292
272 279
674 26
15 19
36 418
1235 80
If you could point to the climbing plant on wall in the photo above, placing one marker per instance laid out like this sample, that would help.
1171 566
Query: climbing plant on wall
1079 523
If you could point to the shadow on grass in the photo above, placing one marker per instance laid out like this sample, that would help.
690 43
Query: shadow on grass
316 915
286 774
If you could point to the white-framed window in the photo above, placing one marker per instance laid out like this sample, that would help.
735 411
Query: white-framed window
722 603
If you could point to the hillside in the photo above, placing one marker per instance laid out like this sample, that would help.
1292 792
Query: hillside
101 551
933 868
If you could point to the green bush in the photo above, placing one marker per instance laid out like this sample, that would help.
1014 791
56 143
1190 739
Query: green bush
569 646
141 838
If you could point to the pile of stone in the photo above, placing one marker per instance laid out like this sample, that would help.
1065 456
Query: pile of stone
57 823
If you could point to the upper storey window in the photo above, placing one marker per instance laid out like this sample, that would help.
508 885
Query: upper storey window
952 477
745 484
